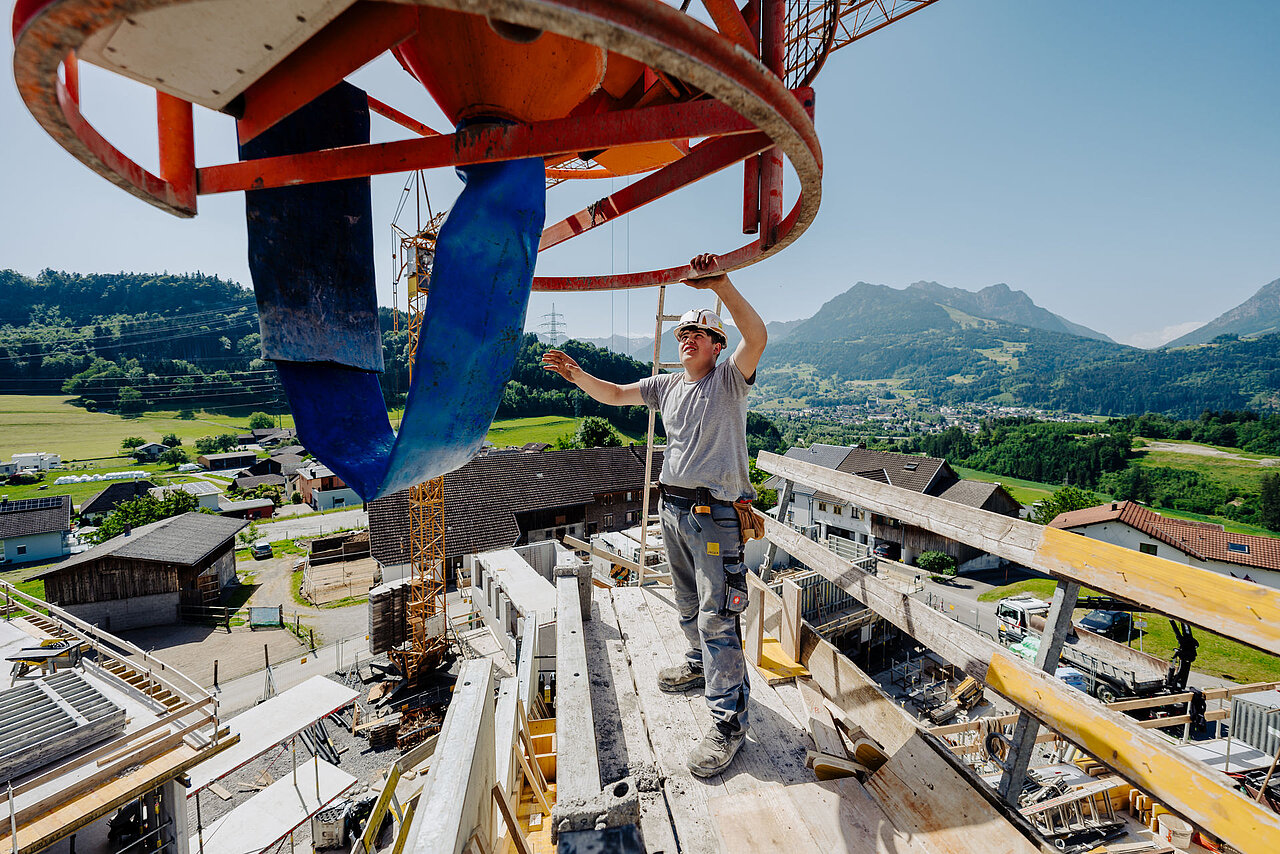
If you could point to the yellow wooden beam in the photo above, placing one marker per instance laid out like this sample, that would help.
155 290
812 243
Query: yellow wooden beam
1241 610
1188 788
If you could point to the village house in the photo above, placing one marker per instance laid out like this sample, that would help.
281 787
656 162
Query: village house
497 501
96 508
149 452
246 508
323 489
206 493
36 462
143 577
35 529
1200 544
230 461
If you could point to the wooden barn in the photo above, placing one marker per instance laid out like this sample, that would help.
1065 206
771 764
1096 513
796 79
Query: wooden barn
144 577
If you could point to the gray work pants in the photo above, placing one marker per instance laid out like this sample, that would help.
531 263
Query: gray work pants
701 549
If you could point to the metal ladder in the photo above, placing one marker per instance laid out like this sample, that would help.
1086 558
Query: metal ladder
650 482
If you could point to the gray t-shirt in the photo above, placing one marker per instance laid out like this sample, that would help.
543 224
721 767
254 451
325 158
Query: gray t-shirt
706 424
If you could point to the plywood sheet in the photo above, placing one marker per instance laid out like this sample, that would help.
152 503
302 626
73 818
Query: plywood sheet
923 795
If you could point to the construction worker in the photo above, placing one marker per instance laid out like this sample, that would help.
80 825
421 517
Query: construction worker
704 472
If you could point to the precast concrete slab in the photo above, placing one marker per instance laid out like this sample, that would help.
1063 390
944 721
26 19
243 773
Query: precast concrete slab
271 815
270 723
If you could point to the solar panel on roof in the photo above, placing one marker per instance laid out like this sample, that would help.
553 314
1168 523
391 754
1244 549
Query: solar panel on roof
45 502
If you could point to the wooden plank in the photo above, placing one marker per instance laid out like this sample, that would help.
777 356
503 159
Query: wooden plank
823 729
575 726
106 793
753 621
374 822
1128 751
923 796
858 695
603 553
1247 612
513 827
774 749
1187 787
841 816
762 820
789 632
672 724
830 767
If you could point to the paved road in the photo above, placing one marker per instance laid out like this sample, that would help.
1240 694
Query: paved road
313 526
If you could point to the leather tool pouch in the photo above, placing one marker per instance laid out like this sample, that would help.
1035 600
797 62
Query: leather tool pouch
749 521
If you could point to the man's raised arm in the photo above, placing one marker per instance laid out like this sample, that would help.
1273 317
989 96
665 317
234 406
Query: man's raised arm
747 319
602 390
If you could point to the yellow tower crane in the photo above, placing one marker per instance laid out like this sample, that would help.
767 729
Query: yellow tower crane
427 635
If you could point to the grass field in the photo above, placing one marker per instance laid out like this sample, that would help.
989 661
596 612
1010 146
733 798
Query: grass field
49 423
1216 656
1026 492
81 492
543 428
1239 475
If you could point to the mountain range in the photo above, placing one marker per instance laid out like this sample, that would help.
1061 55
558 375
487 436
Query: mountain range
1258 315
952 346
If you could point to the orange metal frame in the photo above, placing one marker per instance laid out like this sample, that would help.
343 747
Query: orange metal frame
746 97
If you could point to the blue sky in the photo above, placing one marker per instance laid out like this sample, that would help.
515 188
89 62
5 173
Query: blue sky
1116 161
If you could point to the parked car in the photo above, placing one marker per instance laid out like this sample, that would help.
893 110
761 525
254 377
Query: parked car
888 551
260 549
1117 625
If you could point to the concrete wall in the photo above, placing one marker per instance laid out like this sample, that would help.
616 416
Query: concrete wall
327 499
1121 534
38 547
137 612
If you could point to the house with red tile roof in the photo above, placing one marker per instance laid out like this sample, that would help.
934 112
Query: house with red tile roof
1202 544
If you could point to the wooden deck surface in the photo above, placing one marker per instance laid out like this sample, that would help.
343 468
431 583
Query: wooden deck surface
767 801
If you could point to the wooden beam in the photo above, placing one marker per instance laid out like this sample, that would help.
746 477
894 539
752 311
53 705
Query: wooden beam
603 553
789 633
753 635
1241 610
1186 786
821 726
513 827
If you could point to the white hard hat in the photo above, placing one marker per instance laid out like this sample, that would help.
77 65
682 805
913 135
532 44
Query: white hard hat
706 320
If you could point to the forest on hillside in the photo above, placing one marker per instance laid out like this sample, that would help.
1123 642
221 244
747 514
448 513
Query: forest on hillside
131 342
1102 457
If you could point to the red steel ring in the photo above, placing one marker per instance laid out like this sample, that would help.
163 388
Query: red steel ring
662 37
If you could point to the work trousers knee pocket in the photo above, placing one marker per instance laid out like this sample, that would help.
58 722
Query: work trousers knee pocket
733 599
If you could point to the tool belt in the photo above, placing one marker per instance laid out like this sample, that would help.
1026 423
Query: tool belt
699 500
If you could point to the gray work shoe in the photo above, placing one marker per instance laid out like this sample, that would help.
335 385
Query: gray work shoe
715 752
680 678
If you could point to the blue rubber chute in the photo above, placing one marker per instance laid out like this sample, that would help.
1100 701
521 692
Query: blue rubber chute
311 256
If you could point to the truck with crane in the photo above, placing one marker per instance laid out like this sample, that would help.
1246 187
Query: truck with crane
1114 671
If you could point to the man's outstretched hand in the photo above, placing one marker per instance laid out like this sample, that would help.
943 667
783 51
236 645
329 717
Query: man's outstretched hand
563 364
706 272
